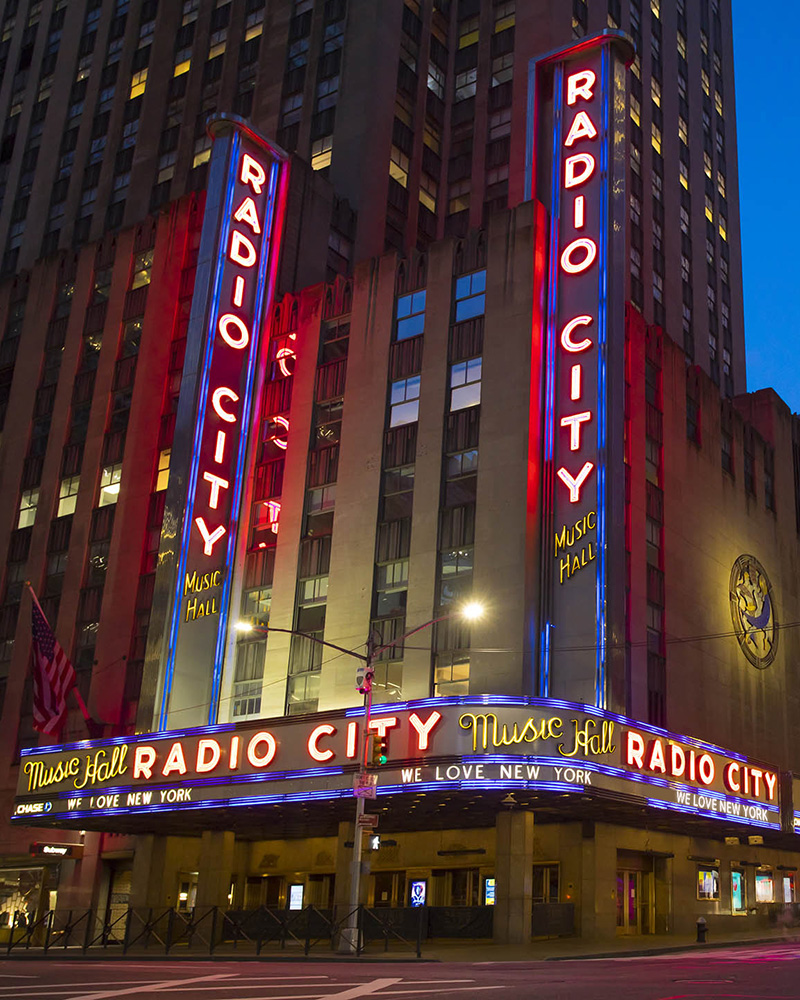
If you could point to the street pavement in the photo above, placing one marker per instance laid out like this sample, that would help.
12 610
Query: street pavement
743 972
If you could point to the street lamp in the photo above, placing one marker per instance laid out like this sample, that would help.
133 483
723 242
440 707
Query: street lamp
471 611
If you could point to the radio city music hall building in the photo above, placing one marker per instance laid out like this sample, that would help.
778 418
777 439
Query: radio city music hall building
227 419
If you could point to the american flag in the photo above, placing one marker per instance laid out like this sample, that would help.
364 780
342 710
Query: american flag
53 674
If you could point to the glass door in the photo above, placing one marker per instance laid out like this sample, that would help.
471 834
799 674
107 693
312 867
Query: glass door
629 902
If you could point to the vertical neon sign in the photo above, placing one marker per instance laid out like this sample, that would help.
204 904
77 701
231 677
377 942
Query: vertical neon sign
239 249
576 167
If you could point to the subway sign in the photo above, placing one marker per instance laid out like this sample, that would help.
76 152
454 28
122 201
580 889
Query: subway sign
577 171
443 744
233 291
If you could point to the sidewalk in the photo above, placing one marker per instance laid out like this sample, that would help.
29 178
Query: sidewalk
472 951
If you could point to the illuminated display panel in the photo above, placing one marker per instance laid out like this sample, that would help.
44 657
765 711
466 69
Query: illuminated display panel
435 744
577 171
240 243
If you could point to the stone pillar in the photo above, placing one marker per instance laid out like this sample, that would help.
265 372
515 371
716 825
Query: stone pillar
215 870
80 880
514 877
149 884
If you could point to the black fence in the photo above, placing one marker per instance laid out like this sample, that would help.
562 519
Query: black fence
213 929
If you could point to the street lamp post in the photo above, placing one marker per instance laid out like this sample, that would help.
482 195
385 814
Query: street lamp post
471 612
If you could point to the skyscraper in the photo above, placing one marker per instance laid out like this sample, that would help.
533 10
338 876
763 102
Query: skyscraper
401 431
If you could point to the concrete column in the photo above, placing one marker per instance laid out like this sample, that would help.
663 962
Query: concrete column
80 880
215 870
148 879
514 875
598 912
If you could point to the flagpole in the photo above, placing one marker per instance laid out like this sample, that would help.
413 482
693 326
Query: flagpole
81 703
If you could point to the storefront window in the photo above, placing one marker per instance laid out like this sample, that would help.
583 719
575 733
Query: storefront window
738 894
708 883
765 886
20 890
545 883
788 887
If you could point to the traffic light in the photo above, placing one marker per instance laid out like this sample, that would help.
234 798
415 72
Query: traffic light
378 755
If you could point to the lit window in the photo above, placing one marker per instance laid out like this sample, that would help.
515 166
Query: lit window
404 401
398 166
706 83
110 481
718 102
432 136
707 165
142 269
465 384
504 15
162 472
721 183
321 153
138 83
765 886
468 32
655 92
458 200
436 79
202 151
451 674
466 84
428 189
655 7
636 66
314 591
703 41
470 295
410 315
683 130
636 111
216 50
723 227
68 495
709 209
256 28
684 175
27 508
182 67
656 137
681 45
708 883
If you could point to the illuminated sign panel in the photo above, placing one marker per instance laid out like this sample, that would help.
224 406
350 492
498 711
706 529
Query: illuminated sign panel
577 171
241 232
442 744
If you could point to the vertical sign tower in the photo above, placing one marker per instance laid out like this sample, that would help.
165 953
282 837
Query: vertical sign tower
233 291
577 171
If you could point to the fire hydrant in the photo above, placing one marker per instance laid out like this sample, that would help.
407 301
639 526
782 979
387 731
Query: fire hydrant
702 930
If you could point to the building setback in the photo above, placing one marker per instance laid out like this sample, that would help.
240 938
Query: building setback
393 474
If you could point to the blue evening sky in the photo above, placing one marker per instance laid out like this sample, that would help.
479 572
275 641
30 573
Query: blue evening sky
765 61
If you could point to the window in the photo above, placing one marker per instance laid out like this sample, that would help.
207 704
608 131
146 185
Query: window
692 419
681 45
428 190
726 451
321 153
398 166
138 83
462 463
749 472
765 886
708 883
68 495
656 137
410 315
27 507
465 384
470 295
466 84
653 541
247 679
404 401
142 269
110 480
451 674
182 67
738 891
468 32
436 78
162 471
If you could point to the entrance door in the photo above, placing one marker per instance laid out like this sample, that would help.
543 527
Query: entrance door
629 902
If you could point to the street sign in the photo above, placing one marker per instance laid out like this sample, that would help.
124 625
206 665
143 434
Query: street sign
364 786
369 820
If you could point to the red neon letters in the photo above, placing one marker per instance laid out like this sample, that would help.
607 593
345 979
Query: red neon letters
575 259
235 335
